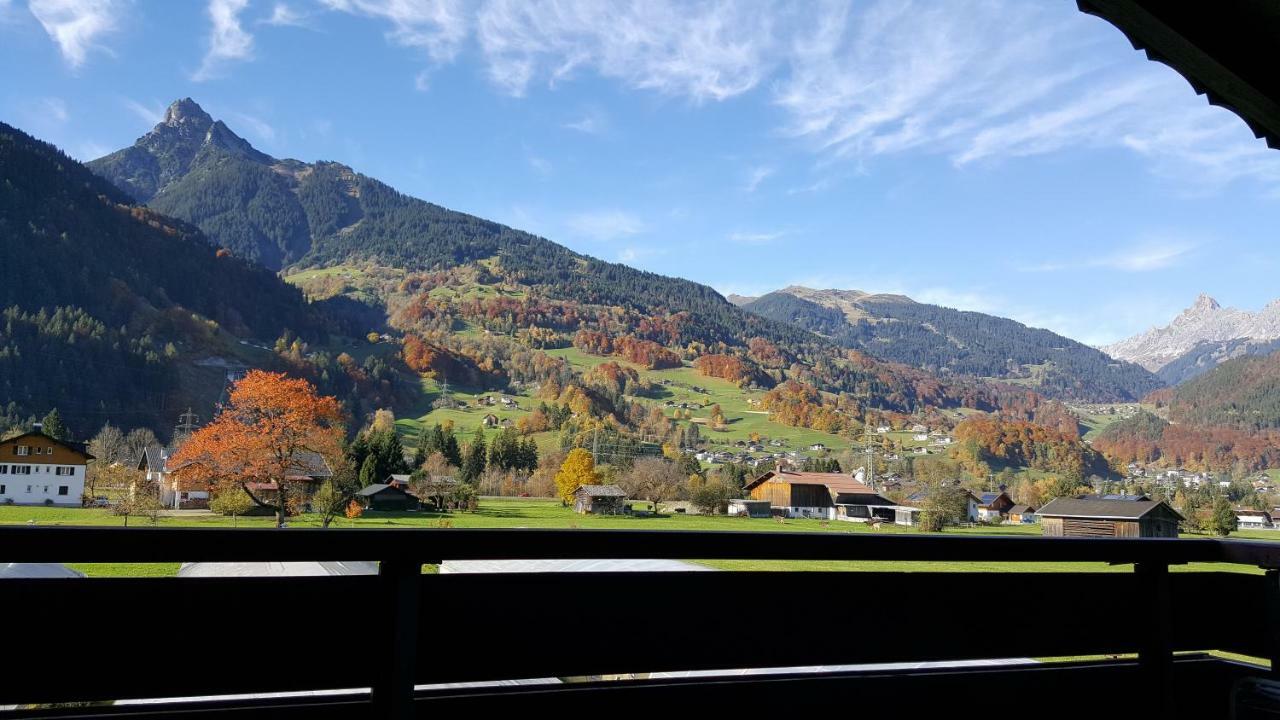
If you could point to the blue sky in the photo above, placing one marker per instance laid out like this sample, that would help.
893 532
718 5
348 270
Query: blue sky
1012 157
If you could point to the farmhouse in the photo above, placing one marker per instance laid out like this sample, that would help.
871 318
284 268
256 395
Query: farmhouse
490 420
994 506
383 496
1093 516
36 469
600 500
1253 519
154 461
310 469
811 494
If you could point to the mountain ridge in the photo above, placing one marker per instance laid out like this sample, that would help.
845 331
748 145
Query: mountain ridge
948 341
1199 337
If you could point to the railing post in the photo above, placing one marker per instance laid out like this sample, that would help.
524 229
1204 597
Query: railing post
1155 654
1271 597
393 686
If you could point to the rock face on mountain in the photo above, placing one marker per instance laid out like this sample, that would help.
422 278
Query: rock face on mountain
946 342
1200 337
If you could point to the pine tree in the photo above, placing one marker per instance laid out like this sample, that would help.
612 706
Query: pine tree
53 427
450 449
474 462
369 471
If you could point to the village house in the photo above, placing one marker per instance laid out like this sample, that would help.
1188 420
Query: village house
36 469
600 500
829 496
489 421
971 502
154 461
993 506
918 428
818 447
1113 516
1253 519
920 437
309 470
1020 514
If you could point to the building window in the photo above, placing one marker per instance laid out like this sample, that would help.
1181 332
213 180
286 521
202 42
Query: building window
4 469
22 450
2 489
28 488
62 489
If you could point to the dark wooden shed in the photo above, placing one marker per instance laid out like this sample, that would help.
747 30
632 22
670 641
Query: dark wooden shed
1096 516
600 500
379 496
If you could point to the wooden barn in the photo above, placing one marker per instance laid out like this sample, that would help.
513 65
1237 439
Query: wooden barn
382 496
1097 516
600 500
812 494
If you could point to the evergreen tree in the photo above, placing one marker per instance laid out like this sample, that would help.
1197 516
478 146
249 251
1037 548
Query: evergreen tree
369 471
53 427
474 463
450 448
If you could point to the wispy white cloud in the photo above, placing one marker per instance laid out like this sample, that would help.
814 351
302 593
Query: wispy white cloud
756 238
700 51
605 224
1145 256
633 254
228 40
593 122
284 15
540 165
256 126
53 109
151 113
757 175
983 80
438 27
77 25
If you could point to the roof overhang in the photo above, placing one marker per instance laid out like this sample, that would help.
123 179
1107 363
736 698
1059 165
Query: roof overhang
1226 49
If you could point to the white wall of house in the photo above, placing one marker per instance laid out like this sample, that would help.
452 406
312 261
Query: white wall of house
32 484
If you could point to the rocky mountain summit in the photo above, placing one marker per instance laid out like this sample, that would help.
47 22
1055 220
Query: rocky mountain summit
1200 328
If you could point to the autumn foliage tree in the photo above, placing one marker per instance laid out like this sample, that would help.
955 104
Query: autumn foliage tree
260 439
578 469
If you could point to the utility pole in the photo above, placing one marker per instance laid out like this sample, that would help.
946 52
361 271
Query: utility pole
187 423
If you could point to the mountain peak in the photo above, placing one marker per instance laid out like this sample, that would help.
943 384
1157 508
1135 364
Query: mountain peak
186 111
1205 302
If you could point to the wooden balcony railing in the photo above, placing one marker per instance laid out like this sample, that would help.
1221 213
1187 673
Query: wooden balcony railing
374 638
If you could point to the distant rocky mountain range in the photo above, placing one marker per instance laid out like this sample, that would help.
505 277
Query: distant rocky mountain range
1200 338
947 342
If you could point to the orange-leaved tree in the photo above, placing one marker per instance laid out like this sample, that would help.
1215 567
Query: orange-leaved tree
261 440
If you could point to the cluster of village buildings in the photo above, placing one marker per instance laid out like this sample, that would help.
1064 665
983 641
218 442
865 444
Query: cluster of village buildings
39 470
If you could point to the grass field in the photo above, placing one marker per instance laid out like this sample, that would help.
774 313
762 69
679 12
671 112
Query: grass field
544 513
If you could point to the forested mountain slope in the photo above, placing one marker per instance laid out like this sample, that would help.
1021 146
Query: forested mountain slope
955 342
101 297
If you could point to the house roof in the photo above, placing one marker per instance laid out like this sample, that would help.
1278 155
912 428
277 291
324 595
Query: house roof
988 498
375 488
601 491
401 478
1021 510
1104 509
73 447
836 482
311 464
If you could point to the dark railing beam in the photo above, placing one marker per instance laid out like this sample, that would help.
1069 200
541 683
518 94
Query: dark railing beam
96 544
1271 601
1155 656
398 663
